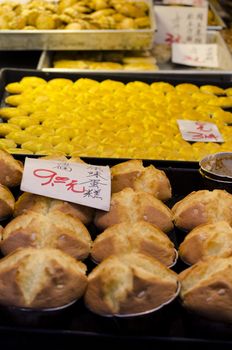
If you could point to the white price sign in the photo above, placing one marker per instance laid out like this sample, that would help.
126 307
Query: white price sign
85 184
199 131
199 55
179 24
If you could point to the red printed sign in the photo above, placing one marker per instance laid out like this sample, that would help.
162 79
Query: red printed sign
199 131
85 184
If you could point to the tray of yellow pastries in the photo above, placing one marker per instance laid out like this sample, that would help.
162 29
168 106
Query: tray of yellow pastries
113 115
77 24
120 275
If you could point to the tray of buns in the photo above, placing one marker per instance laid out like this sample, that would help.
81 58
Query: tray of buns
47 112
61 25
169 201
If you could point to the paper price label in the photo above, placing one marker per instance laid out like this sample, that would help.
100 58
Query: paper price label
199 3
199 55
84 184
179 24
199 131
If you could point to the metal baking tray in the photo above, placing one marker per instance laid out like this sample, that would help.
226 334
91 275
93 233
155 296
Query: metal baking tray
224 57
220 24
137 39
172 326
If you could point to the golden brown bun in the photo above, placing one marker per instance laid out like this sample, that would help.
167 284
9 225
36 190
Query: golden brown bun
207 288
203 207
40 204
133 174
207 240
51 230
11 170
129 205
41 278
7 202
139 236
129 284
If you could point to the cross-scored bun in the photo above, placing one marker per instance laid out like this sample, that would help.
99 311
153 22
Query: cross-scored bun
53 230
130 205
129 284
139 236
206 288
41 204
147 179
41 278
207 240
7 202
11 170
203 207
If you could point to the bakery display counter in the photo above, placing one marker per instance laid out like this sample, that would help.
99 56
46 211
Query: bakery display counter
172 325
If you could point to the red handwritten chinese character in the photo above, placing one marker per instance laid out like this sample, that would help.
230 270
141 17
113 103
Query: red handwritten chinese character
200 126
211 136
71 187
170 38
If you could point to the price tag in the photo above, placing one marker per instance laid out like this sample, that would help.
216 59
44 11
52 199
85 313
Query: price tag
85 184
199 131
179 24
198 3
199 55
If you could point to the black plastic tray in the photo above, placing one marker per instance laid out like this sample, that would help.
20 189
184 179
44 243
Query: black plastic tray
172 326
19 59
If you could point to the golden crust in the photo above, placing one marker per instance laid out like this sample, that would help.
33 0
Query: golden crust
207 288
203 207
41 278
52 230
139 236
41 204
129 284
130 205
7 202
11 170
147 179
207 240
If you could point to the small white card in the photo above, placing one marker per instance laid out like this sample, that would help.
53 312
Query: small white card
181 24
199 3
85 184
199 131
199 55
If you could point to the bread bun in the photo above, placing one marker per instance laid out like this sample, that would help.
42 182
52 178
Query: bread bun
7 202
41 204
133 174
129 284
203 207
11 170
138 236
129 205
207 240
53 230
206 288
40 278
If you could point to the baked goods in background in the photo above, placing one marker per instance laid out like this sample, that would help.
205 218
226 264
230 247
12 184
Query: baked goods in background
129 284
11 170
41 278
139 236
149 179
201 207
130 206
33 202
206 288
7 202
207 240
74 15
54 229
